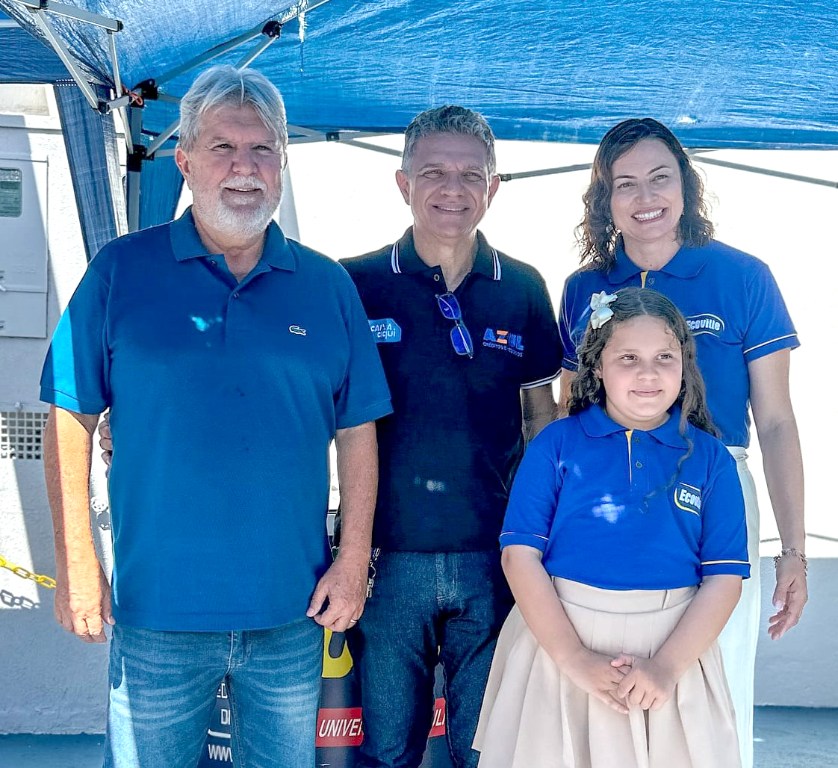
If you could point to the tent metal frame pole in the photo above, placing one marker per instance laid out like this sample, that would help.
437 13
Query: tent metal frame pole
212 53
271 32
43 23
162 138
764 171
545 172
121 101
39 8
71 12
308 133
309 136
134 170
222 48
364 145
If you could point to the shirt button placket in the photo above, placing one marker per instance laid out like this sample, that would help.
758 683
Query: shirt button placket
233 310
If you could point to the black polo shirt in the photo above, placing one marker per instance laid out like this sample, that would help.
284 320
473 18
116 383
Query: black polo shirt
448 452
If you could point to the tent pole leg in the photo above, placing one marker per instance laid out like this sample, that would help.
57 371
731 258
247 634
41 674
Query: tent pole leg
135 164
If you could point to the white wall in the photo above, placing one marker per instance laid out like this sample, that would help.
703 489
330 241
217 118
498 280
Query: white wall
51 682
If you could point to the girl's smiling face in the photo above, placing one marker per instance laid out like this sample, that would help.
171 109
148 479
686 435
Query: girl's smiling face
641 369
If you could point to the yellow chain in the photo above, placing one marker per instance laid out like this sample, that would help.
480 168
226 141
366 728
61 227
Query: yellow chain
19 570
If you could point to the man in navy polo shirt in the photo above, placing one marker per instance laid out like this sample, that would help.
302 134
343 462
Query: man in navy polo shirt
229 357
467 337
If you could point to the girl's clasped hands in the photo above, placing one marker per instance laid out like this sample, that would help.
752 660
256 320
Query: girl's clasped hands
622 681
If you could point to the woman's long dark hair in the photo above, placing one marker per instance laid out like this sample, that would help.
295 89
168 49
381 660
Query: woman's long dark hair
596 234
587 388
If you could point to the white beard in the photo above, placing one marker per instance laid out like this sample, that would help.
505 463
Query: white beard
240 222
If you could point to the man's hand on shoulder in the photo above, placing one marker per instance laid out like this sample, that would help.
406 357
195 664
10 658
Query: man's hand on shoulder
338 599
105 439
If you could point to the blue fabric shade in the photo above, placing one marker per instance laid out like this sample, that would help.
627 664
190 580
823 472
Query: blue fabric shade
721 74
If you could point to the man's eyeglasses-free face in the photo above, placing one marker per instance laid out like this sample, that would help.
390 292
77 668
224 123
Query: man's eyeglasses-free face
460 337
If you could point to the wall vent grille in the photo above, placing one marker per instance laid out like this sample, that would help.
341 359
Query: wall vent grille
21 434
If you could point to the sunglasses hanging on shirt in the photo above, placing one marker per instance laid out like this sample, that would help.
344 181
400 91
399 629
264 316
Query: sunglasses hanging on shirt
460 337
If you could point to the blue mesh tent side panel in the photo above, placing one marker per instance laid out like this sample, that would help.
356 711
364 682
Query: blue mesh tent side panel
23 59
160 186
90 139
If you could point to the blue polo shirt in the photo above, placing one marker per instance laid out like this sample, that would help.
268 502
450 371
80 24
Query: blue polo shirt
224 397
731 302
611 508
448 453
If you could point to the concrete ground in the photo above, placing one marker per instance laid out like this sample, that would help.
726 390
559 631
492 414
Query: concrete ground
784 737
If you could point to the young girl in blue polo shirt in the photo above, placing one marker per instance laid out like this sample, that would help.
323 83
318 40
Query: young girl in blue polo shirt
624 544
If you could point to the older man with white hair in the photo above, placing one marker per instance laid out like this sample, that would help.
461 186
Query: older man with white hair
229 358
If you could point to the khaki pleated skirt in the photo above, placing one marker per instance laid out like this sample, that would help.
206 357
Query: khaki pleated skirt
535 717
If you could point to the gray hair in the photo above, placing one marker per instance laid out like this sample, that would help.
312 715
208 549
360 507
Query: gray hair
448 119
223 86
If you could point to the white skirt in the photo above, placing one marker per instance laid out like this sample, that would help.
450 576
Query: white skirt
535 717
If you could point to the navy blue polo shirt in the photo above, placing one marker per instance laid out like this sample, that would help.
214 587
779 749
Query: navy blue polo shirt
448 452
224 397
611 508
731 302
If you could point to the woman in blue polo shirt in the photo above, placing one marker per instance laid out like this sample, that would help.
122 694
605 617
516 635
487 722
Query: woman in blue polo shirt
617 514
646 225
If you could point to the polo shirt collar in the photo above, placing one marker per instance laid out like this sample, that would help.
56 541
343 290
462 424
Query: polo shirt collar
187 244
404 259
597 423
686 263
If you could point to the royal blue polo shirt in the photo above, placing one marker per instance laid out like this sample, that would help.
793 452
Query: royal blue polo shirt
224 397
448 452
611 508
732 304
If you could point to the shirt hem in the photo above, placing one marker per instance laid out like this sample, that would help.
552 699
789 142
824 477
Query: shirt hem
202 623
626 587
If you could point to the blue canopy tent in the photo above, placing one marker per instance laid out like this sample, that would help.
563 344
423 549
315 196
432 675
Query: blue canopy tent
752 74
722 74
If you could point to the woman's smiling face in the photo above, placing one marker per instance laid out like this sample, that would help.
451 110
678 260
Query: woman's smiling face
647 197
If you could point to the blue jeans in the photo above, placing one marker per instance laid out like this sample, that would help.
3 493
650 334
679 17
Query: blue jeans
163 689
426 608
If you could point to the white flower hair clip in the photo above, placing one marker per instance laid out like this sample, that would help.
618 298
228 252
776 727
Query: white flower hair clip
601 313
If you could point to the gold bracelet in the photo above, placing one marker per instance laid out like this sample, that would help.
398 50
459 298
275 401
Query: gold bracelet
797 553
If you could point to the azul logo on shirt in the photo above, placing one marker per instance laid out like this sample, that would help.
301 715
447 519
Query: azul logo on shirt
385 331
688 498
706 323
500 339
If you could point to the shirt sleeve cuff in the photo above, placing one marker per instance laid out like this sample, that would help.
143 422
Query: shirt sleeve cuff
527 539
70 403
541 382
726 568
362 416
790 341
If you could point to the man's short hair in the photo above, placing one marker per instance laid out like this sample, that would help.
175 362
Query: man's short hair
448 119
225 86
